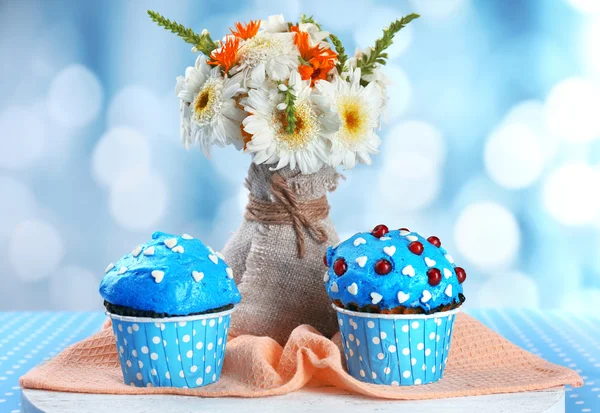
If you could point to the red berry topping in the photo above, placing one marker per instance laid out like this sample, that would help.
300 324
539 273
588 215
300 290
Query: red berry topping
434 276
435 241
383 267
379 231
416 247
340 266
405 229
325 260
461 275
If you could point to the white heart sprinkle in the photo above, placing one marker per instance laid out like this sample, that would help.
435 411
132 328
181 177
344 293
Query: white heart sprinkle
384 239
109 267
448 290
136 251
408 270
218 254
389 250
158 275
426 296
353 289
178 249
210 249
170 242
149 251
447 273
213 258
326 277
449 258
412 238
359 241
403 297
376 298
197 276
361 261
229 272
334 287
404 232
122 270
429 262
187 236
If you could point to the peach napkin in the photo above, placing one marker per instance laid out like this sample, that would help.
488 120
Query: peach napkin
480 362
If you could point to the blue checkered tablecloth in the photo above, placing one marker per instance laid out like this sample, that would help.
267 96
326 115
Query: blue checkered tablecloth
28 338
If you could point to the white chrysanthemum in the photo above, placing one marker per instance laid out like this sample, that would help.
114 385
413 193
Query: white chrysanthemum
315 35
266 54
359 110
307 147
209 112
274 24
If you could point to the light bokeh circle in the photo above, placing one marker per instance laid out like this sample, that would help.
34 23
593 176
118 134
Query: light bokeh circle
511 289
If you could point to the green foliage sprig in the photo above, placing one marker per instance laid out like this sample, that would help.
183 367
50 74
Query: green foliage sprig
290 108
309 19
202 42
377 56
341 52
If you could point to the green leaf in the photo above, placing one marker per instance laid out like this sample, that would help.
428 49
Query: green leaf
309 19
341 52
378 57
202 42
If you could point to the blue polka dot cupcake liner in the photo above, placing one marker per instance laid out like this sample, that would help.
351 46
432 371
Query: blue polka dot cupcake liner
396 350
184 352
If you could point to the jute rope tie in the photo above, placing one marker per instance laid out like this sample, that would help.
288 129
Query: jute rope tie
287 210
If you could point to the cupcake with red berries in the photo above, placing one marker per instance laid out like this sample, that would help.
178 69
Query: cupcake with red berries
396 294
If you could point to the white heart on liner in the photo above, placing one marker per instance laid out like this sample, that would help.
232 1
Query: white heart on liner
187 236
376 298
429 262
229 272
158 275
213 258
149 251
361 261
447 273
178 249
404 232
198 276
449 258
412 238
170 242
334 287
403 297
408 270
359 241
136 251
390 250
448 290
353 289
426 296
109 267
326 277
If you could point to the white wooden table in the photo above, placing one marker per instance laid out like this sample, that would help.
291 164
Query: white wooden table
330 400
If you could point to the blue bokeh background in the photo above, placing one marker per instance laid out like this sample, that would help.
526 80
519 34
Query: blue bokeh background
492 142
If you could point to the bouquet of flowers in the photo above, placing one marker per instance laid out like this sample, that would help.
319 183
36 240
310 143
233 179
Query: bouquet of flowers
285 92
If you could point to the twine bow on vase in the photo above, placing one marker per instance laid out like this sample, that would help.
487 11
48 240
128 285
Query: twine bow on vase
287 210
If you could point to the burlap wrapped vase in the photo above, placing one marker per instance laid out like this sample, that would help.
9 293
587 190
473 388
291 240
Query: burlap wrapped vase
277 253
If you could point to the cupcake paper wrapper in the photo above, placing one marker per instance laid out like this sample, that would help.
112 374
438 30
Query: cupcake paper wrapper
183 352
396 350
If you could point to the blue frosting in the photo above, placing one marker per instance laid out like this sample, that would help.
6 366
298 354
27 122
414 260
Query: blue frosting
363 286
181 289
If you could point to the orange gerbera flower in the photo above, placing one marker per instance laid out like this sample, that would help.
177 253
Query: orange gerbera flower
225 55
246 30
317 61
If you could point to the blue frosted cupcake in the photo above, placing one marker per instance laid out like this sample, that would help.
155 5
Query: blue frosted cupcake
396 294
170 301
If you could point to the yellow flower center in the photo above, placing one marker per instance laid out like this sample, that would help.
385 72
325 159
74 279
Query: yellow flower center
306 127
204 102
355 119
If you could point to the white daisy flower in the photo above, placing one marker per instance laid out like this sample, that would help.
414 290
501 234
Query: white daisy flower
307 147
274 24
266 54
209 112
315 35
359 110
